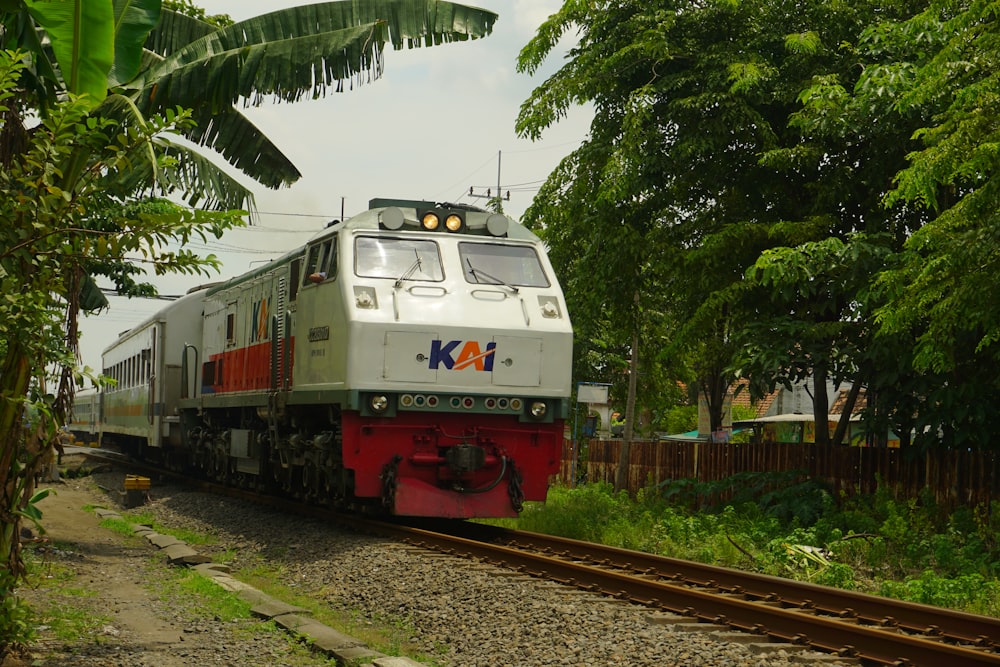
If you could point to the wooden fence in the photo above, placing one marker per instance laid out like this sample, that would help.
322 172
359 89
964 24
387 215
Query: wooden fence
953 477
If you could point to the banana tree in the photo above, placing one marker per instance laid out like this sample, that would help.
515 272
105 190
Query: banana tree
154 58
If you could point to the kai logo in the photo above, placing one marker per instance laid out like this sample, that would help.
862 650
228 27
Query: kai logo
259 330
457 355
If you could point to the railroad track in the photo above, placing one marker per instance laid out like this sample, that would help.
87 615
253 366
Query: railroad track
877 631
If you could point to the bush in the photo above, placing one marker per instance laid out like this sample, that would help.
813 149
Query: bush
583 513
17 625
782 524
970 591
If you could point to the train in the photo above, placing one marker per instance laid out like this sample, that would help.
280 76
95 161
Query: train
414 360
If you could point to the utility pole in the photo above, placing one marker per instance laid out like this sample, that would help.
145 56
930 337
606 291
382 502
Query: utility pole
493 201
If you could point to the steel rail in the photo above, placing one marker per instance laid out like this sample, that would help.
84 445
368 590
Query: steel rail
882 645
919 618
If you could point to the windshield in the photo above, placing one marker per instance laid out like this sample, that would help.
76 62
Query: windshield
399 259
495 264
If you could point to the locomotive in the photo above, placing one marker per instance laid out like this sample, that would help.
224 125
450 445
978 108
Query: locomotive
413 359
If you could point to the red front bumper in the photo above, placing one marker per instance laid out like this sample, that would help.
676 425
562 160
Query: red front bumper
404 460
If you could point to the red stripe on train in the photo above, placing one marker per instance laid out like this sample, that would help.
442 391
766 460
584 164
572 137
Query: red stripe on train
243 369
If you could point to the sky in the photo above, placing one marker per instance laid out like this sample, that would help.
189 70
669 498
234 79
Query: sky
439 121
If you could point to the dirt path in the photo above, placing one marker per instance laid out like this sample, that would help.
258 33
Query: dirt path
112 584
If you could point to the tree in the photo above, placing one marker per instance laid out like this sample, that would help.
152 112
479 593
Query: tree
602 246
725 123
942 295
59 220
947 286
210 68
814 320
595 210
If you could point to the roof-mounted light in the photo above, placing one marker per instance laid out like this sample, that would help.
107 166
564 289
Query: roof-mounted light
439 219
430 221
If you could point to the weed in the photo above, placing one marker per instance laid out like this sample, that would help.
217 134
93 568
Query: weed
68 616
783 525
123 526
971 592
204 597
16 618
388 634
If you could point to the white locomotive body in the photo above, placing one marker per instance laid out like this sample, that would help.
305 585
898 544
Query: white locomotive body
416 356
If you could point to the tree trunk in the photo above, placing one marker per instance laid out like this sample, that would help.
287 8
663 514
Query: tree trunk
845 414
714 388
15 377
621 475
821 406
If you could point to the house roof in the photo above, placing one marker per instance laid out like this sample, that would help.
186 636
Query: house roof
859 404
789 417
740 392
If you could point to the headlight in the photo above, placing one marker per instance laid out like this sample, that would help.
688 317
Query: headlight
453 222
430 221
538 409
378 403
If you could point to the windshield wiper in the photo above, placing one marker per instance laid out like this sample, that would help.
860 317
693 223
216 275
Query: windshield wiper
410 271
493 279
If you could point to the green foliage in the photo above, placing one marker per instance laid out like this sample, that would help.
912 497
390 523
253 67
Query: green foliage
29 510
284 55
82 37
17 622
66 215
583 514
742 115
155 57
908 549
681 419
816 199
188 8
789 497
971 592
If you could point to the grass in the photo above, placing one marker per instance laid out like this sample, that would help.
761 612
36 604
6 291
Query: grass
389 635
69 613
780 524
123 526
205 599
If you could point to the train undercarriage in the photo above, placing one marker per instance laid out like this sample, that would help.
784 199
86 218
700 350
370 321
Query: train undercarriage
298 455
421 466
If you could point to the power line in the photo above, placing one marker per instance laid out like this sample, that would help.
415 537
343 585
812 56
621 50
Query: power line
547 148
111 291
466 177
295 215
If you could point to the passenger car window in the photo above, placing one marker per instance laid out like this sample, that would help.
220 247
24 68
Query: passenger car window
496 264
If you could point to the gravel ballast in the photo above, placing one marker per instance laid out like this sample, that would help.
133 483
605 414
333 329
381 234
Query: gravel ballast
463 614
